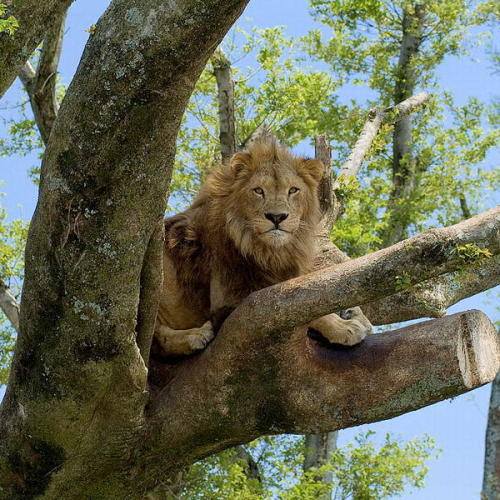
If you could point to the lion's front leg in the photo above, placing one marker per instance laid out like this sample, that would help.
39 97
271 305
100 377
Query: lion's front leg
184 342
350 328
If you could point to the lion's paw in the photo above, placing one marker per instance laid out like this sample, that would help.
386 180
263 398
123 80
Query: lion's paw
199 340
349 328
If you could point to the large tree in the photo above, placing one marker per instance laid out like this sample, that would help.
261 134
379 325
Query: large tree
79 414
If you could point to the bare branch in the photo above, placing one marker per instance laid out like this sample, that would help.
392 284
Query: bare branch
376 118
9 305
41 84
225 88
34 18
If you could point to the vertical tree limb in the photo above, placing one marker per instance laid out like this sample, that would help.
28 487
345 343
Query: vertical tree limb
149 299
225 92
41 84
9 306
318 448
491 473
405 177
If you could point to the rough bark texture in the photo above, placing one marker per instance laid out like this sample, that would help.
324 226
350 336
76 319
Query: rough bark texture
225 90
491 475
431 298
41 84
103 188
358 281
35 19
288 383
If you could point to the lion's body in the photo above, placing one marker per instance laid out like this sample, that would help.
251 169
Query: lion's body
253 225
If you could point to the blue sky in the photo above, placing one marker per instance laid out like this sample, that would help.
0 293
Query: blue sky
458 425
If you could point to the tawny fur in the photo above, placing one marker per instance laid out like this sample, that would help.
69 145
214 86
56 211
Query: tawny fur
226 246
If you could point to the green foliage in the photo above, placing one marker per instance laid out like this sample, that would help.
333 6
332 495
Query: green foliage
361 471
471 253
7 342
8 24
12 243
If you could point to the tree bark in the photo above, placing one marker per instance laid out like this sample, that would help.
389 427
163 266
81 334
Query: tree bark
318 448
225 92
365 279
404 168
9 306
79 415
287 383
491 474
35 19
41 84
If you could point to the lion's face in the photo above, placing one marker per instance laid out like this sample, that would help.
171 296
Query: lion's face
274 202
271 197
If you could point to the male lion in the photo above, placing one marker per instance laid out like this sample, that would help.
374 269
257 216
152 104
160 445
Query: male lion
252 225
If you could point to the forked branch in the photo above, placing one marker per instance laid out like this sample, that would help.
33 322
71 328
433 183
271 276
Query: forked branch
376 118
41 84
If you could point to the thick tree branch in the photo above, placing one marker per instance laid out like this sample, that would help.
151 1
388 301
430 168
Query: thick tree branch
41 84
9 306
244 386
432 297
367 278
35 18
151 282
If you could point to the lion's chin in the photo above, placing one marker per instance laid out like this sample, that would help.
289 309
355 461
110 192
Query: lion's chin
276 238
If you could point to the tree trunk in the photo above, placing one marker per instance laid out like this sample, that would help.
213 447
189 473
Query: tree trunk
404 171
491 474
103 187
318 448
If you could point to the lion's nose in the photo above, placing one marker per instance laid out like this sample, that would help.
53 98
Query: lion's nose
276 218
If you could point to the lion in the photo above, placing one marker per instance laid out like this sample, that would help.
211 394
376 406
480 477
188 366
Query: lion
253 224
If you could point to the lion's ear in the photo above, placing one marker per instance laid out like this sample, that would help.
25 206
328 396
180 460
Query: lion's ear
313 168
240 162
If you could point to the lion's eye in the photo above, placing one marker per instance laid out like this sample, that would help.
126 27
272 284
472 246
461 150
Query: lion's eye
259 191
293 190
